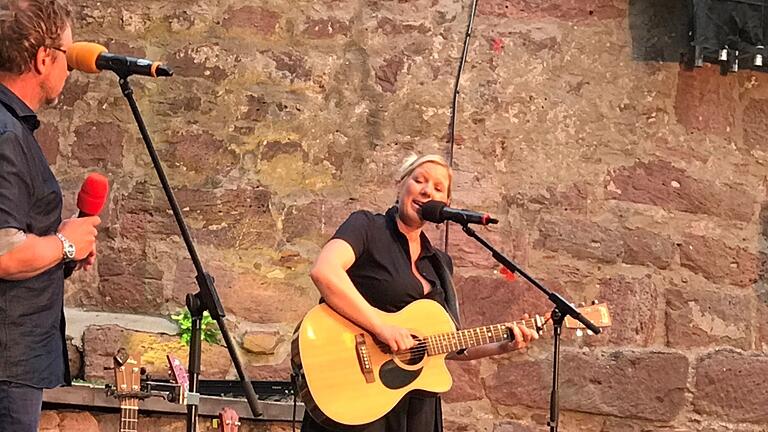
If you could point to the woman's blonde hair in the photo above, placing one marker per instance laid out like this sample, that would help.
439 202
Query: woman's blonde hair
413 161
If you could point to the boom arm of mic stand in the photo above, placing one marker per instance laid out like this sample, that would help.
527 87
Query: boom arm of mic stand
207 297
562 305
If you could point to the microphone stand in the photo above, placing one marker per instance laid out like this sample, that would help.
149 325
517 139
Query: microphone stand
561 310
206 299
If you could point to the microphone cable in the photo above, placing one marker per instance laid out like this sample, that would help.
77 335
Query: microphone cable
455 101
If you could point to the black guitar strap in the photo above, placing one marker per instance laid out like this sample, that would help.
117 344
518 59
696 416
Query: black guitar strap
444 269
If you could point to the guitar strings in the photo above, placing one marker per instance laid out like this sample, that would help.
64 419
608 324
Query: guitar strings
442 339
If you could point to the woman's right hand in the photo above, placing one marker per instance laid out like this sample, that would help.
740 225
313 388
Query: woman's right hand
397 338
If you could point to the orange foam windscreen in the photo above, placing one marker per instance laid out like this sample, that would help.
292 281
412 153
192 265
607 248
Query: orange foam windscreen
82 56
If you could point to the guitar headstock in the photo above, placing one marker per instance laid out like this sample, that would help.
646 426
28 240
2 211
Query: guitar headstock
180 375
229 421
127 373
597 313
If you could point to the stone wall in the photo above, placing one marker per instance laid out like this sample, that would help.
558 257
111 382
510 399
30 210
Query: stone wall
615 176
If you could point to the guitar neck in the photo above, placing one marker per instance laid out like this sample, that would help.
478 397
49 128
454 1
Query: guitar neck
451 342
129 414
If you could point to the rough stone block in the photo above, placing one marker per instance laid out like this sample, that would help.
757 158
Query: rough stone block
639 385
261 342
465 382
185 148
99 144
570 10
698 318
731 386
200 61
493 299
706 101
659 183
643 247
515 426
259 20
581 239
75 360
77 422
755 135
519 382
633 304
326 28
719 262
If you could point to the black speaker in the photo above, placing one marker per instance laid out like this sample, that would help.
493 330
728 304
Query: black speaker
731 33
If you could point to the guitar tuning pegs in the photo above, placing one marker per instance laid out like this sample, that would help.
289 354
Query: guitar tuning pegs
579 333
595 301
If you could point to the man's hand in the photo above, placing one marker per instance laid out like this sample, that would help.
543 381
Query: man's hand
88 262
82 233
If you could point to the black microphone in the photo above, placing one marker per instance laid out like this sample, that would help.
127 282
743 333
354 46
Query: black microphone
439 212
93 58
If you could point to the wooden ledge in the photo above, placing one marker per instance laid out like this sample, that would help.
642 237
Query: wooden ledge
88 395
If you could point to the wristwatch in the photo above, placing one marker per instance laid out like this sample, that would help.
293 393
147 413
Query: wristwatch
69 248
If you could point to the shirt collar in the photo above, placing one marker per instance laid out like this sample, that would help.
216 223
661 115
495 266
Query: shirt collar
391 216
20 110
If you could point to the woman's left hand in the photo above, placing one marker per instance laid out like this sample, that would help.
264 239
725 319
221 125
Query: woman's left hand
523 336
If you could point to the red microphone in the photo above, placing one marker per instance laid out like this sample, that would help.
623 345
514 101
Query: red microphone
93 195
90 200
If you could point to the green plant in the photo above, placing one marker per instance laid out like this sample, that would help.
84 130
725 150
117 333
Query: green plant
208 327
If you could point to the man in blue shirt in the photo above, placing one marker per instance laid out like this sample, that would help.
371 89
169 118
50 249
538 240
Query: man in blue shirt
34 241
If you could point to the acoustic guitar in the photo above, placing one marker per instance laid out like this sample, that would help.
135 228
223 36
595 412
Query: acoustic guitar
348 378
127 389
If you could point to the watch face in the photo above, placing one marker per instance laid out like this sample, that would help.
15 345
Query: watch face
69 250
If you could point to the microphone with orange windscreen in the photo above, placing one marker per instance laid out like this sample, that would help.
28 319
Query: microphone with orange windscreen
91 57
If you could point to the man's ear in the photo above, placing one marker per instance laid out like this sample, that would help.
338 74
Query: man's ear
42 61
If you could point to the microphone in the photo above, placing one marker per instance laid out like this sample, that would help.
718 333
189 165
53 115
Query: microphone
91 57
439 212
90 200
93 195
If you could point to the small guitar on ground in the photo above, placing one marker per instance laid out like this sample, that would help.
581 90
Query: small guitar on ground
229 421
128 389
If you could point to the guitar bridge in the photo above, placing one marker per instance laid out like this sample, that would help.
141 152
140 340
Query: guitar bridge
363 358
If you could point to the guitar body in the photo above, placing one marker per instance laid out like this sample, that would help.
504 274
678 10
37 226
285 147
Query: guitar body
332 353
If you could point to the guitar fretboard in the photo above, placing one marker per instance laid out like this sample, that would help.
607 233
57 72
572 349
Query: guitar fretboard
450 342
129 414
